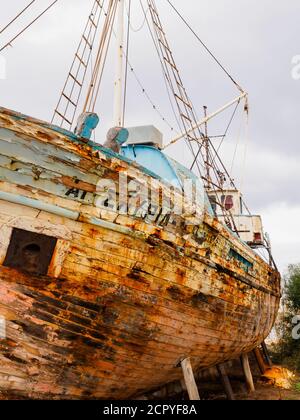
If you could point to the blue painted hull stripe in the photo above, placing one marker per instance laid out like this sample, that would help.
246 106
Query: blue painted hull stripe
39 205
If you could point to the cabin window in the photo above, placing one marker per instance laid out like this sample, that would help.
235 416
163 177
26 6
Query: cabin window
257 237
246 265
227 201
213 202
30 252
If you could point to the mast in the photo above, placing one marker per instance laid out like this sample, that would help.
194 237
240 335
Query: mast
118 91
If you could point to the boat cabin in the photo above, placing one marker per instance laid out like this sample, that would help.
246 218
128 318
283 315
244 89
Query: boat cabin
249 227
144 146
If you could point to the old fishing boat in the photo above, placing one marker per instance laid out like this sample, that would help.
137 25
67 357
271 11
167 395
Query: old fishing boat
110 275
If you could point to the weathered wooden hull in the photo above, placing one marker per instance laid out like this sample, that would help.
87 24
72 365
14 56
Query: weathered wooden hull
123 300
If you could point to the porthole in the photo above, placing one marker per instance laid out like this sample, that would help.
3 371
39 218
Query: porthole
30 252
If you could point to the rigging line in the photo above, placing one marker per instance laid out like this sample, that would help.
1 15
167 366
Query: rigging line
222 165
94 12
206 47
188 108
126 65
143 23
231 180
150 100
167 81
172 80
227 129
144 91
217 156
220 136
105 52
91 69
162 66
28 26
90 92
16 17
109 17
223 137
166 84
224 168
236 147
90 52
189 144
169 75
99 58
245 152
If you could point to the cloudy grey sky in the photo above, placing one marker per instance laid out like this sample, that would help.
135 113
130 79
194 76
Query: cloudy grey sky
255 39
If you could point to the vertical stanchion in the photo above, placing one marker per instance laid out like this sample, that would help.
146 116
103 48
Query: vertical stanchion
260 360
226 382
189 380
266 354
247 372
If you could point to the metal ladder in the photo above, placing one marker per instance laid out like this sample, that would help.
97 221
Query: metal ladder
66 108
172 74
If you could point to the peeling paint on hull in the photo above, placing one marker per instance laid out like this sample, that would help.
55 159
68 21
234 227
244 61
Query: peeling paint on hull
123 300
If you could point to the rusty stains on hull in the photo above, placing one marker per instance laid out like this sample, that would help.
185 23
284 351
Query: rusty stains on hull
121 299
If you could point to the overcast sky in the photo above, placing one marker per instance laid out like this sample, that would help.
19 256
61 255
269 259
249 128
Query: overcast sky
255 39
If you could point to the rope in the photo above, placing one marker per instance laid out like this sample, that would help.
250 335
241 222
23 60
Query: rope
245 152
28 26
188 108
205 47
142 24
144 91
95 82
227 128
18 15
105 52
239 136
167 84
173 79
162 66
155 107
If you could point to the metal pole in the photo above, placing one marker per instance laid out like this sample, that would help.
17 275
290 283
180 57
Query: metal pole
206 143
208 118
118 111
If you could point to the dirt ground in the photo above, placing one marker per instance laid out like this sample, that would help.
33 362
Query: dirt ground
271 393
265 389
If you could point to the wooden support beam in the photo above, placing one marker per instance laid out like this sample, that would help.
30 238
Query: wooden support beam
260 361
247 372
226 382
266 354
189 380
